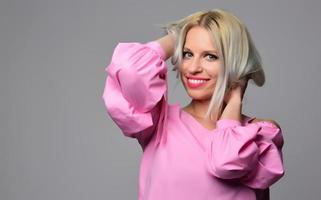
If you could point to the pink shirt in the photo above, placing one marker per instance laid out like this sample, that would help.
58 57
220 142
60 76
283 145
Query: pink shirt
181 158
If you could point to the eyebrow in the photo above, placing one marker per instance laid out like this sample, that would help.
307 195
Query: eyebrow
207 51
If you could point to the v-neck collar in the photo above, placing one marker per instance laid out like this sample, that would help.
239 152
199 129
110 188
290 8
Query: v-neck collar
191 118
201 134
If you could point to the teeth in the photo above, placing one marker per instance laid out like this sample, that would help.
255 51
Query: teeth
196 81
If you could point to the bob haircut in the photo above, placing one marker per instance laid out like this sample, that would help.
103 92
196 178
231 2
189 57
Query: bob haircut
240 58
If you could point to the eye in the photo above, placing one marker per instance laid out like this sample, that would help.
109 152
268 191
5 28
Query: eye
186 53
211 56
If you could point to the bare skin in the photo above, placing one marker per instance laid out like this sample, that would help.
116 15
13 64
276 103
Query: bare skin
167 43
197 64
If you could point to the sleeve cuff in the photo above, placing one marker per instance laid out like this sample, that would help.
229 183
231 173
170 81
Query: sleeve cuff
226 123
157 47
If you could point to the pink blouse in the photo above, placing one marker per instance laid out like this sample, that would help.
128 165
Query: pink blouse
181 158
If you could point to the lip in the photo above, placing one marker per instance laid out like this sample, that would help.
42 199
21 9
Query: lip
196 78
196 85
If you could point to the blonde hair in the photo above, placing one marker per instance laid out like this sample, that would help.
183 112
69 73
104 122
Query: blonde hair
241 60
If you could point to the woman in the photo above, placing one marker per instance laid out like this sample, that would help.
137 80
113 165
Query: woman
208 149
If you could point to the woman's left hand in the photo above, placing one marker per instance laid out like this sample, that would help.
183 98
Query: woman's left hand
236 93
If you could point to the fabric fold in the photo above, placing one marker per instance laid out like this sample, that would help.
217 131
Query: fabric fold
250 153
135 93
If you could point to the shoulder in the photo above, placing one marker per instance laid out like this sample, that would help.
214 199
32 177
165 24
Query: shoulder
254 119
267 120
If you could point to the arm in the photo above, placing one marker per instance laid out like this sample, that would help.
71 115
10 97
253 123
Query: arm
135 88
234 97
232 110
252 153
167 42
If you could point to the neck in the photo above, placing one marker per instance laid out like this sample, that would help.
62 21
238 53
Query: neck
199 107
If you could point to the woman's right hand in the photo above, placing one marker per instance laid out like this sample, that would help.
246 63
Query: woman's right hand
168 44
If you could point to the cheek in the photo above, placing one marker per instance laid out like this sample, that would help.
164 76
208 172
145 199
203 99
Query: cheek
212 71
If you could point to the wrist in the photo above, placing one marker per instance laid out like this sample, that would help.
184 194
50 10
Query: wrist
235 101
167 42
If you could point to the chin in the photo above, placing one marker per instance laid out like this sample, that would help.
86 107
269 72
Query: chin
198 95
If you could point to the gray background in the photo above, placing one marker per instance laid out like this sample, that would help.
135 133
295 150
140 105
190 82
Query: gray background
56 139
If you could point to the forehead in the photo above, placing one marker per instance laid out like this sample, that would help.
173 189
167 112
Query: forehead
198 38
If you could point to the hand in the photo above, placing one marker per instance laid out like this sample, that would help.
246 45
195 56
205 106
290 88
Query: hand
236 92
167 42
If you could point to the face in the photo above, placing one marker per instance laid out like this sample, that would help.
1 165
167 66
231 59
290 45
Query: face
200 64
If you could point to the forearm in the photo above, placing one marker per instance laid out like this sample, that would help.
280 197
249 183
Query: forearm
233 110
168 44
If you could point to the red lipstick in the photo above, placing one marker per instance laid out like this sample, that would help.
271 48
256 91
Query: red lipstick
196 82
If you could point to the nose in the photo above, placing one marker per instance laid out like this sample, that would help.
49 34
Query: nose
195 66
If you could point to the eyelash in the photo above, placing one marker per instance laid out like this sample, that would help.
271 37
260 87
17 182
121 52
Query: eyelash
214 56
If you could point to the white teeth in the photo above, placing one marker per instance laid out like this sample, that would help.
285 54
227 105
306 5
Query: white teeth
196 81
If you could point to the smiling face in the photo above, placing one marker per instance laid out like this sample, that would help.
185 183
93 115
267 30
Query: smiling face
200 60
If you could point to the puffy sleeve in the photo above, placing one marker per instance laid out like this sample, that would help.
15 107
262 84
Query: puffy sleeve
252 153
135 91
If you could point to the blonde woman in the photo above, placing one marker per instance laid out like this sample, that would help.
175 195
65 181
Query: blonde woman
207 149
